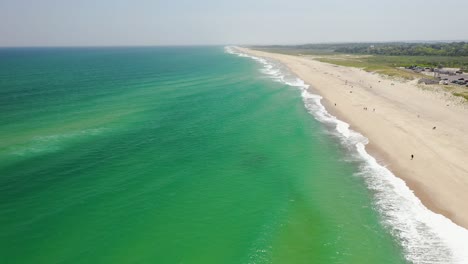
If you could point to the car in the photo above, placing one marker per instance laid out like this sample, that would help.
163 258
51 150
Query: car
461 79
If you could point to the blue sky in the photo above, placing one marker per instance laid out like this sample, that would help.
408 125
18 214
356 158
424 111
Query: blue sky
188 22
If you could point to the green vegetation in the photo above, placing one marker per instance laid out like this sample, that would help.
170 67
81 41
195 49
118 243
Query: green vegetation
462 94
452 55
376 64
391 49
409 49
388 65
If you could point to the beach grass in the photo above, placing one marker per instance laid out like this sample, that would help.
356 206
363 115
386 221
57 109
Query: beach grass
370 63
462 94
405 61
390 65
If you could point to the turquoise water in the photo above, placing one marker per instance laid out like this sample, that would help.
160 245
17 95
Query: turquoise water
172 155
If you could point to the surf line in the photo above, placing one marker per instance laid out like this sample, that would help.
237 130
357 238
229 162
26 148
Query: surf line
425 237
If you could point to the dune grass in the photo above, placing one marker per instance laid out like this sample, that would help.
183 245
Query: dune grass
372 63
390 65
462 94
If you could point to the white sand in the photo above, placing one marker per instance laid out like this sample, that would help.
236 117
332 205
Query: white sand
401 125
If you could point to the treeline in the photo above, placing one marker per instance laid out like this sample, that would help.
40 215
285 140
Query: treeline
391 49
407 49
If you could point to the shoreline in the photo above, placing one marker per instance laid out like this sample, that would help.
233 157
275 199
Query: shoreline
400 126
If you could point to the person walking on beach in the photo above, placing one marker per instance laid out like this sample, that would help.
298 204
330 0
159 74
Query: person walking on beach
412 156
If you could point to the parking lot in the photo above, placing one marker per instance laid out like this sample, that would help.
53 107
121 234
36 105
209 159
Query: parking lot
460 79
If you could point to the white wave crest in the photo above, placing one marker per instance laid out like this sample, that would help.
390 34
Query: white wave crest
426 237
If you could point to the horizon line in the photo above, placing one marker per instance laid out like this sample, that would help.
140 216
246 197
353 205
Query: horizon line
230 44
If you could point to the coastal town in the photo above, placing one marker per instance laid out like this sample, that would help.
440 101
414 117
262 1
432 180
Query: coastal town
445 76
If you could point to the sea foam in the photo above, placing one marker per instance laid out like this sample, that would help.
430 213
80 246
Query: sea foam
426 237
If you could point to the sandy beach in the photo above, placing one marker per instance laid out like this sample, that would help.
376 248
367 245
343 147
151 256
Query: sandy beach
400 119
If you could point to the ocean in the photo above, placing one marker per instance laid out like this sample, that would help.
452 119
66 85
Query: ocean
184 155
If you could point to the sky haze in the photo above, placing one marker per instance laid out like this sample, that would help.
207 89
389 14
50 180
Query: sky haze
211 22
